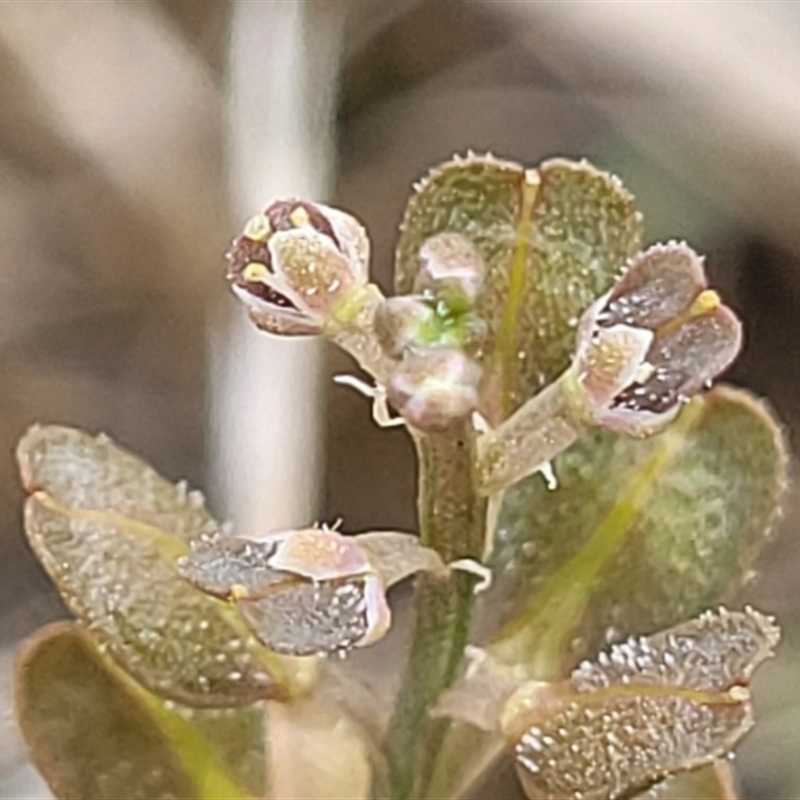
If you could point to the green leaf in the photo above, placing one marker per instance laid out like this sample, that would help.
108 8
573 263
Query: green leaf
648 708
712 782
93 732
109 531
639 535
93 474
554 239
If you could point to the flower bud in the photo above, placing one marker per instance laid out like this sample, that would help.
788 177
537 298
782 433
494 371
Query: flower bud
409 322
301 592
293 264
402 322
651 343
434 387
450 268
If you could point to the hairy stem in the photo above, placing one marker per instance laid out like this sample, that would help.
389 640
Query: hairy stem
452 522
351 327
534 434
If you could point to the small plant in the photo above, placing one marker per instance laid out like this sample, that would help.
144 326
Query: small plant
579 490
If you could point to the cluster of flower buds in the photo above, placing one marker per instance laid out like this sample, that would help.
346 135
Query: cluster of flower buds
309 591
643 349
295 263
657 338
299 265
436 383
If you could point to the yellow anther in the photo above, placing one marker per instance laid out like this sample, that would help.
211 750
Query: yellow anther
705 302
239 592
258 228
256 272
299 217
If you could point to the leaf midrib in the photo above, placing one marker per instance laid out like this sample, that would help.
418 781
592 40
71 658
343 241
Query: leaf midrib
542 629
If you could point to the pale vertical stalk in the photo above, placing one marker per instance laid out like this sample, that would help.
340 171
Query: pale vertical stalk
266 432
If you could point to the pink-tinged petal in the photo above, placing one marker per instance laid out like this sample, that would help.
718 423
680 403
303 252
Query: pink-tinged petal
379 615
660 283
277 319
434 387
450 266
684 360
353 241
295 263
692 336
315 273
319 555
612 361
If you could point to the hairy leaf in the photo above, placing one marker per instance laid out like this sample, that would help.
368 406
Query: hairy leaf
287 610
554 239
639 535
612 741
309 591
94 474
646 709
717 650
109 531
598 733
94 732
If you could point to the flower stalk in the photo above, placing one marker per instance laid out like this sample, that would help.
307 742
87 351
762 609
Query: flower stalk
452 517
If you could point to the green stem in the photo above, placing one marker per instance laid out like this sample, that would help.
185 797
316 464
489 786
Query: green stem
452 522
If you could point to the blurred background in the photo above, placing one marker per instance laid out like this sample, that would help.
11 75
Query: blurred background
136 136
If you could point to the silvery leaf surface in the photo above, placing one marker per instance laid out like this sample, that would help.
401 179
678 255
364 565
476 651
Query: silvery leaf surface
110 532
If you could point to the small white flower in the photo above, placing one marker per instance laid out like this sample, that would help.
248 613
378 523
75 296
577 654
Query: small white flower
657 338
295 263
